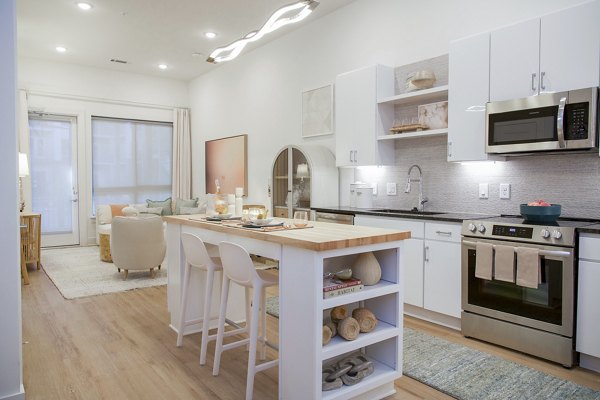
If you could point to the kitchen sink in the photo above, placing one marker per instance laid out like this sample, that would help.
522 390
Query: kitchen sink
414 211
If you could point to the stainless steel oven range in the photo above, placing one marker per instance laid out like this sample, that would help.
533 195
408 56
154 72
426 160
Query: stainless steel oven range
537 321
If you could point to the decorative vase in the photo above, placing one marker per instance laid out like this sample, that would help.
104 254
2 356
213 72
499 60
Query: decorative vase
367 269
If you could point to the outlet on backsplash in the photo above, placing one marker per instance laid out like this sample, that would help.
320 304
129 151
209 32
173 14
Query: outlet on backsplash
391 188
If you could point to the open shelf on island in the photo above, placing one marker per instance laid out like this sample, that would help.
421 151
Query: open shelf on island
339 345
380 289
381 374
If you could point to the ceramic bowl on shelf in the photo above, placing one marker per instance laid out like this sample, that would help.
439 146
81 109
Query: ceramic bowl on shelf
419 80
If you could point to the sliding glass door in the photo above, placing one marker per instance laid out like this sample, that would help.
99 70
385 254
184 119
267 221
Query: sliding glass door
53 164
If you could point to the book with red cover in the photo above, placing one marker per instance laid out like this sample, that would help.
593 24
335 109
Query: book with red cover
330 284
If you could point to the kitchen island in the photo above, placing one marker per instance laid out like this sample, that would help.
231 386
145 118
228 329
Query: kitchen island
304 255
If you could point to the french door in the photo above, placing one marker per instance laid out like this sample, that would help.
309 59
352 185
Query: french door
54 188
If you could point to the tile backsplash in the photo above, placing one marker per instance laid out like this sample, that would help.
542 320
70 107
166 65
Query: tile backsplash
572 180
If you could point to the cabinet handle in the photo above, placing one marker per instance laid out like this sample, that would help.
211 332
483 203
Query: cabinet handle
350 155
449 150
542 86
444 233
532 81
426 253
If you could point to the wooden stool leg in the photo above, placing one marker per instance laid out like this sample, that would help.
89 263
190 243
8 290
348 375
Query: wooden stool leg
24 271
126 273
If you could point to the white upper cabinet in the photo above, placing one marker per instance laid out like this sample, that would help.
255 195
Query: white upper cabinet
570 49
468 92
554 53
514 61
357 117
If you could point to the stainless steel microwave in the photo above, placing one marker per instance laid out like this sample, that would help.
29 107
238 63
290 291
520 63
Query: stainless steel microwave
547 122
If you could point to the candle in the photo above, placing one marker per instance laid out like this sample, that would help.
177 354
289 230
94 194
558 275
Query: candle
239 191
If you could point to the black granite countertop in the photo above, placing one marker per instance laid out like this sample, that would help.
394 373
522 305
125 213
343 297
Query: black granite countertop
590 229
441 216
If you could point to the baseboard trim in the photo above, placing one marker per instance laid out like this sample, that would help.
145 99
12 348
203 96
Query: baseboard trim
16 396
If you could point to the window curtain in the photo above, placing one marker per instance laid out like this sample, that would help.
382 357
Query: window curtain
182 154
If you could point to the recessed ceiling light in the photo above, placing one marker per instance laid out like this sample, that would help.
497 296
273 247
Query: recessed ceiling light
210 35
61 49
162 66
84 6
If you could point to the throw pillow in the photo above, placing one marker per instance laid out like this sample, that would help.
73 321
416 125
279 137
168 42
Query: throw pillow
152 210
117 209
189 210
103 215
139 206
179 203
130 211
165 204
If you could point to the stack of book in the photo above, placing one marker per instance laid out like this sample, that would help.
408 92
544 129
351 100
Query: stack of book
336 287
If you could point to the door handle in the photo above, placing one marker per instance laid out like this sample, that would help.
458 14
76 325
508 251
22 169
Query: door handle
559 122
532 81
426 253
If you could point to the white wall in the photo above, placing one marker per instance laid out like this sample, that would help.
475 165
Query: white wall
11 383
259 93
85 92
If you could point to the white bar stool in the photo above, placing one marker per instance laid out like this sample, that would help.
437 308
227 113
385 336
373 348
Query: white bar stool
197 256
238 267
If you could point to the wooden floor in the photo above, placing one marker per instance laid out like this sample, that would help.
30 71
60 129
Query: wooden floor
119 346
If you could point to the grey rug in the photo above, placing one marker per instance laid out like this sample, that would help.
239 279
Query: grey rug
78 272
468 374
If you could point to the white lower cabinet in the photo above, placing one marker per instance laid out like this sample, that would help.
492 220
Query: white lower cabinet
430 260
588 298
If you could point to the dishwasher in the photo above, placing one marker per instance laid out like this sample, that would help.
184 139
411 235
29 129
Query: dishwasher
346 219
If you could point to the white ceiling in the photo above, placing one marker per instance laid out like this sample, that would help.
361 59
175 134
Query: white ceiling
146 32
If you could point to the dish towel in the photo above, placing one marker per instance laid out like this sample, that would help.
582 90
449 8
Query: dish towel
528 267
483 260
504 263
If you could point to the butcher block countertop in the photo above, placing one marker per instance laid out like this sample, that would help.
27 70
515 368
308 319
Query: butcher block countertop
320 237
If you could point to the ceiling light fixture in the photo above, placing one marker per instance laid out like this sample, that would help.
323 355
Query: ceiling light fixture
84 6
61 49
210 35
162 66
285 15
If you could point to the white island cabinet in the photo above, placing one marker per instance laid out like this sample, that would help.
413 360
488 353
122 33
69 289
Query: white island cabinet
588 298
304 255
555 53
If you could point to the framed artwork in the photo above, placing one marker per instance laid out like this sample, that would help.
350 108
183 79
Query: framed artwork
226 159
317 111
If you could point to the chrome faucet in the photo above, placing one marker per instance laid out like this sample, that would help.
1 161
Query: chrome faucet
409 180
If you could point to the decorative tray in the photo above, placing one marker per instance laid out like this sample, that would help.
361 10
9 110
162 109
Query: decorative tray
408 128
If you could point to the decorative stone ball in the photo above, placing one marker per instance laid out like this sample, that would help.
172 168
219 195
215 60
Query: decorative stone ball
348 328
366 319
367 269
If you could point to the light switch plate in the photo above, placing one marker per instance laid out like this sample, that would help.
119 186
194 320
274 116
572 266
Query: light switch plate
505 190
484 190
391 188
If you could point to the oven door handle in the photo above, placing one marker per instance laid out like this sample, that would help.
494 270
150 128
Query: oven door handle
546 253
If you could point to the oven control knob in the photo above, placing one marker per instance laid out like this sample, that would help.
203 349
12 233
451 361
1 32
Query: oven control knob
556 234
472 227
481 228
544 233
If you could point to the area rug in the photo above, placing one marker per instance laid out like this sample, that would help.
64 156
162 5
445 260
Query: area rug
78 272
468 374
